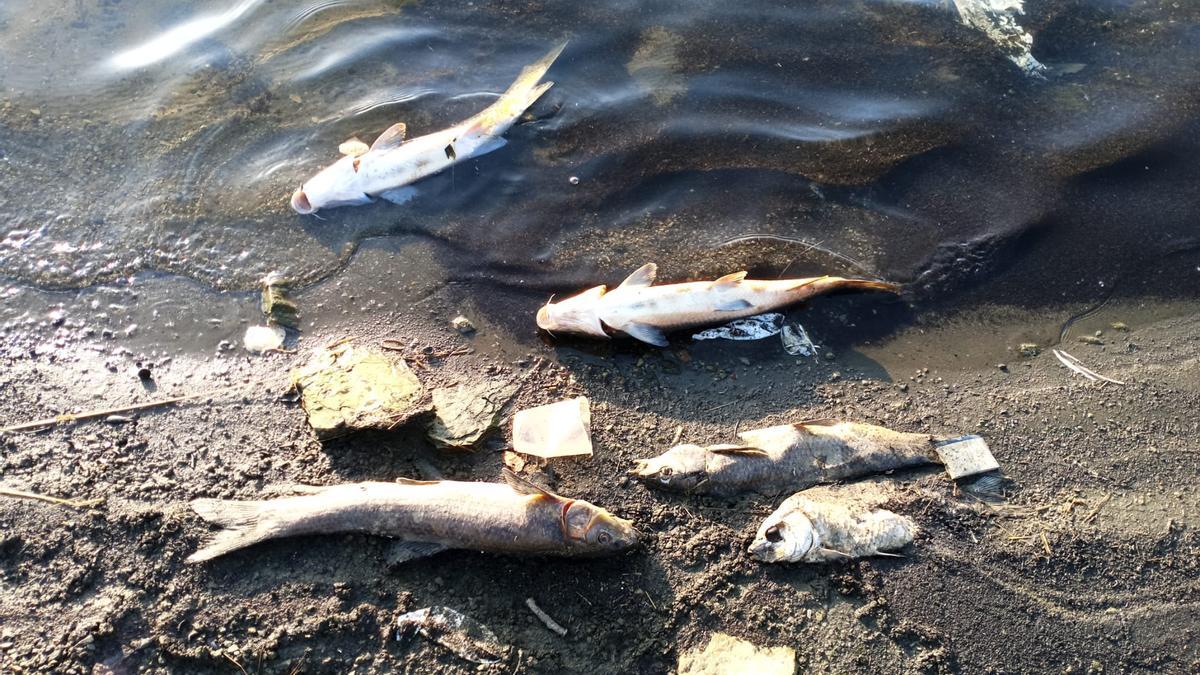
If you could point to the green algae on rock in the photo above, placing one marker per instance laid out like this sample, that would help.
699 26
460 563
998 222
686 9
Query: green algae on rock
346 388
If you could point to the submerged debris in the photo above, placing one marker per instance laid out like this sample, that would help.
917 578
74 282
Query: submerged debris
830 523
725 655
750 328
998 20
466 413
345 388
276 305
453 630
560 429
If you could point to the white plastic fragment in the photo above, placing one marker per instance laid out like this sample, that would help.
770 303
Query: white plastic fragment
260 339
560 429
796 341
966 456
453 630
750 328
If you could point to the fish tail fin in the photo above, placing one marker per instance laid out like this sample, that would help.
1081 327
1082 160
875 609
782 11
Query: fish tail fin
241 522
819 285
521 94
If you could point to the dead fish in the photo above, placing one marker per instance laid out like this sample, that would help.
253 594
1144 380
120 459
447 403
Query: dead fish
830 523
787 458
428 516
391 163
645 312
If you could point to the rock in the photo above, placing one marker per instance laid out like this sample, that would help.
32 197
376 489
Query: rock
1028 350
466 413
462 324
347 388
727 655
276 305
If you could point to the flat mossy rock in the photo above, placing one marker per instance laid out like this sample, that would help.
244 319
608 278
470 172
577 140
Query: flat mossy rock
346 388
466 413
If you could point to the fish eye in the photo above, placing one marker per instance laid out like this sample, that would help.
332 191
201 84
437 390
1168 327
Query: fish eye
773 534
665 473
604 538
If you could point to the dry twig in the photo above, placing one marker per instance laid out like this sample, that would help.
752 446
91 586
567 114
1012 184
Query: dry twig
550 623
71 503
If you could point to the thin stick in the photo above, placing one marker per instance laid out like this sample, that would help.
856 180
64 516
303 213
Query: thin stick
1096 511
69 417
72 503
1046 544
550 623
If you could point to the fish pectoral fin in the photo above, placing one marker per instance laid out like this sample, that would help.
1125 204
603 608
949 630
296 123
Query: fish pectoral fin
642 276
889 555
400 195
737 304
737 450
525 486
403 551
392 137
353 147
729 280
645 333
834 552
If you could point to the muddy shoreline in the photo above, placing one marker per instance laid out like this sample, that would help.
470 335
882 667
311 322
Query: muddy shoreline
1089 565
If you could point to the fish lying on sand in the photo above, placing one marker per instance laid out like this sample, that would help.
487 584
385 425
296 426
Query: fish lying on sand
785 458
391 163
646 312
825 524
427 516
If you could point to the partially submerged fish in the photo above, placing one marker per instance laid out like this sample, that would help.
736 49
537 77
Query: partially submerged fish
646 312
831 523
428 516
787 458
391 163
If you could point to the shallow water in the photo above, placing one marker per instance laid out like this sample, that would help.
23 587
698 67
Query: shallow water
870 138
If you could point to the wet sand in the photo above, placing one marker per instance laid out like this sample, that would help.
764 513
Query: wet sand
1089 564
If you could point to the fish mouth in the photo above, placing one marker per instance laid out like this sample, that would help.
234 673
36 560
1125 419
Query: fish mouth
301 204
543 317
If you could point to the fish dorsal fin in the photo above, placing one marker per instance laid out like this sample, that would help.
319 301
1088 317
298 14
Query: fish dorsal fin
738 450
817 422
729 279
642 276
413 481
391 137
525 486
801 283
353 147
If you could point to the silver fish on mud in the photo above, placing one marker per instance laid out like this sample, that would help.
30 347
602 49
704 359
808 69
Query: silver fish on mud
786 458
830 523
646 312
391 163
427 516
